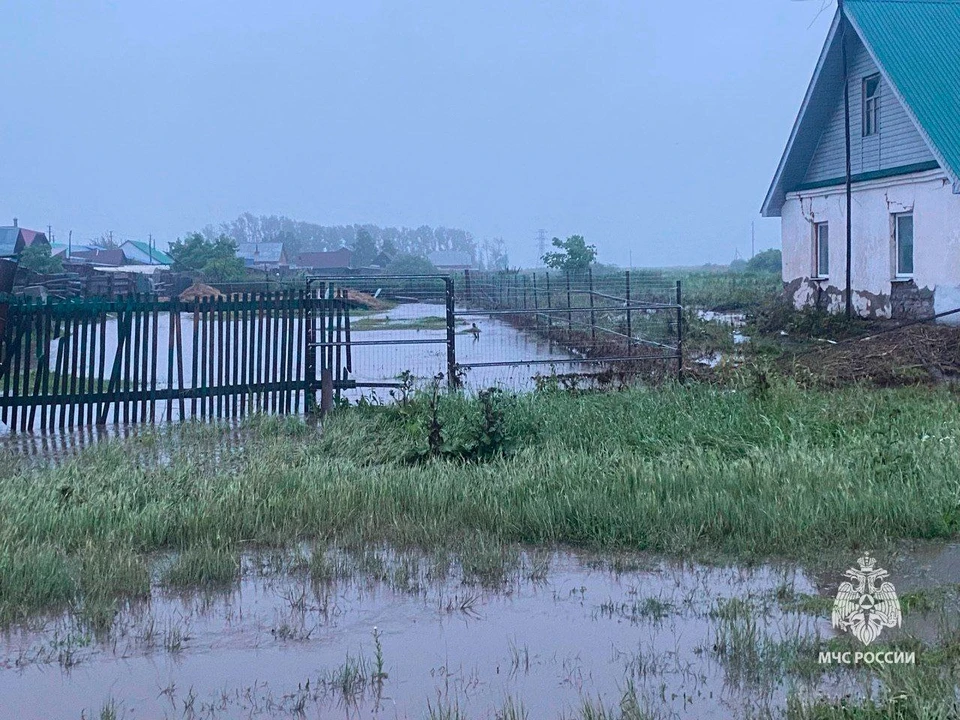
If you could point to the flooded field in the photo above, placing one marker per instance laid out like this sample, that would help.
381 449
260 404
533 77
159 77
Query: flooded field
379 634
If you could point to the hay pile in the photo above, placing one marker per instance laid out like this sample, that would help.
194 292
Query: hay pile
366 300
914 355
198 291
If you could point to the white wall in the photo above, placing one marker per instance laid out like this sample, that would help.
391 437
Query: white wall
936 216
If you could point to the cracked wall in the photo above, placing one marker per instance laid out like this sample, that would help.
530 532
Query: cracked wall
877 293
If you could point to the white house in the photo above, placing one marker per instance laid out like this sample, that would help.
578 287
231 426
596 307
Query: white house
901 61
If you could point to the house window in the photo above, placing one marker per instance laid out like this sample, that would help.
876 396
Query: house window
871 105
821 250
903 240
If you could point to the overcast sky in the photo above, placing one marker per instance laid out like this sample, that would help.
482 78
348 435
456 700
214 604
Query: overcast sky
652 128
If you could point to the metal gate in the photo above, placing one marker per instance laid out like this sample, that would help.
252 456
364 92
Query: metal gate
378 342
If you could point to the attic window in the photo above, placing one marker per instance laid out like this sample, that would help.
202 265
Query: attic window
871 105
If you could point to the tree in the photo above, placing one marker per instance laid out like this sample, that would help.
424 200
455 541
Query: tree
388 248
407 264
766 261
105 242
213 260
575 254
364 249
37 257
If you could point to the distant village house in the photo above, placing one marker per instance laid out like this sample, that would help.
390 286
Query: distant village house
451 260
142 253
15 239
263 255
903 84
331 261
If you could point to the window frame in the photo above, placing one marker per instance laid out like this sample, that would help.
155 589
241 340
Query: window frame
897 273
870 117
818 270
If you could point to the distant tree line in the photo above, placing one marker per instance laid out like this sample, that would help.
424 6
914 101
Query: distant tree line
366 240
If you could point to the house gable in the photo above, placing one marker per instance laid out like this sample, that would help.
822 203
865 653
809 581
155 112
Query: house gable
896 144
915 46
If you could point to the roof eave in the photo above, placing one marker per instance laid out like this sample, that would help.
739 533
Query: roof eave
767 209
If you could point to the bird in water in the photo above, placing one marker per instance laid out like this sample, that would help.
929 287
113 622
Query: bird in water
475 331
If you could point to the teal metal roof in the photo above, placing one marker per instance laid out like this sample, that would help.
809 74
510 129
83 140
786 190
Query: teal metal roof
916 43
159 256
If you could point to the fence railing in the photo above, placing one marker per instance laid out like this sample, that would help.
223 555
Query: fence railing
614 318
138 359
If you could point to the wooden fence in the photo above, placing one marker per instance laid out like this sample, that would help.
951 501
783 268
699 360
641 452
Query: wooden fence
137 359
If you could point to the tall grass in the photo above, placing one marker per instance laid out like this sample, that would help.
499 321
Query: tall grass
779 471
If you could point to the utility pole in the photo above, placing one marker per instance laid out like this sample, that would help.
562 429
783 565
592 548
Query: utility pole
69 244
846 130
753 239
150 246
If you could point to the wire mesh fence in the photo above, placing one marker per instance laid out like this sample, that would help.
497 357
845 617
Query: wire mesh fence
597 324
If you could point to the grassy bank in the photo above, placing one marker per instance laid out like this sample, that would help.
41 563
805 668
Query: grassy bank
755 471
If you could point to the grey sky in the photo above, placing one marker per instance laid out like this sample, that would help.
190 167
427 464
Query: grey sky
646 126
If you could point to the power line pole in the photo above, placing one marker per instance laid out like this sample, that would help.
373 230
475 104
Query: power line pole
846 130
541 243
753 239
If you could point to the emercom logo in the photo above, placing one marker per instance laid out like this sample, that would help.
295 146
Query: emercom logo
862 608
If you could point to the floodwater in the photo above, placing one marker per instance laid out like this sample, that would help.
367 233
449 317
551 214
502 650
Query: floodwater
374 633
493 341
555 631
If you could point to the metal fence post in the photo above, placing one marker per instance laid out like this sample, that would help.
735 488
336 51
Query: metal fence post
310 362
452 380
549 309
593 320
569 305
629 315
679 335
536 302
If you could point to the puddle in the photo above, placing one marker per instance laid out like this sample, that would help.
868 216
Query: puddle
555 631
733 319
380 634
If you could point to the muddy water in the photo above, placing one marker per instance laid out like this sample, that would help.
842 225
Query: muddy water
555 631
378 634
494 341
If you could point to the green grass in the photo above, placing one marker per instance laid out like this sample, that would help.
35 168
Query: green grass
745 471
388 323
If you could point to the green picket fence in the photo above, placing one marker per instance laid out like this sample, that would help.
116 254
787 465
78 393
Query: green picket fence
65 363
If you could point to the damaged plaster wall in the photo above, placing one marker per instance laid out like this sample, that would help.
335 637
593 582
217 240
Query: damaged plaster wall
935 285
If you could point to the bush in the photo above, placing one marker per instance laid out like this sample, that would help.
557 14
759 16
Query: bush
211 260
766 261
40 259
407 264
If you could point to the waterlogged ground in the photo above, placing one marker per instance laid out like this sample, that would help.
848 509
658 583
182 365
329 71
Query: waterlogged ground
376 634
